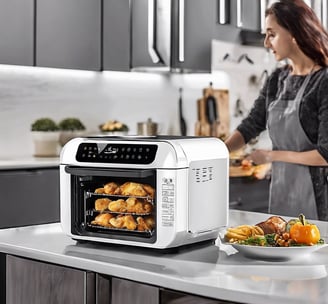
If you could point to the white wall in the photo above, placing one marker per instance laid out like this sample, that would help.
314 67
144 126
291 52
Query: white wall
28 93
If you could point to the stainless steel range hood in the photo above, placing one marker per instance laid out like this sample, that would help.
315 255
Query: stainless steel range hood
171 35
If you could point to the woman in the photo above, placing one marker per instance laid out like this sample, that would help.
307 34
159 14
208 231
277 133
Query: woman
293 105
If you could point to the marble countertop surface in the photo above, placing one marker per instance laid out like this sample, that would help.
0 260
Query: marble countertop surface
213 270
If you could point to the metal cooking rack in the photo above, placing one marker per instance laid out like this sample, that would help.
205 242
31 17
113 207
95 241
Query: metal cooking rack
125 230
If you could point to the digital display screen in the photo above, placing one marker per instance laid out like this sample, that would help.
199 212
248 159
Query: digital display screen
116 153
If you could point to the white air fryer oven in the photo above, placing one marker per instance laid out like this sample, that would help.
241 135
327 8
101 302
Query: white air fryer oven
159 192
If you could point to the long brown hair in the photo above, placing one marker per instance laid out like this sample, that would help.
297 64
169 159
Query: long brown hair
303 24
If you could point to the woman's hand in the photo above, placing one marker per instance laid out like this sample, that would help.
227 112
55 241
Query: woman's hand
258 157
307 158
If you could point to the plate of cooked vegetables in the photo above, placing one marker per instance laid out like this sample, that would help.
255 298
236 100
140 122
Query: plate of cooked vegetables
275 238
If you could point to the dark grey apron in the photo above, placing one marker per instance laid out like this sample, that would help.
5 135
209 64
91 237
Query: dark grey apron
291 191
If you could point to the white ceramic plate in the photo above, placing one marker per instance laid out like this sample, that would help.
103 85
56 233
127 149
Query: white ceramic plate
276 253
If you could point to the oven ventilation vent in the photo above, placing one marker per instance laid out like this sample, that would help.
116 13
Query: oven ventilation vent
203 174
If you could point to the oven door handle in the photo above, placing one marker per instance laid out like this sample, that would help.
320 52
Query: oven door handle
83 171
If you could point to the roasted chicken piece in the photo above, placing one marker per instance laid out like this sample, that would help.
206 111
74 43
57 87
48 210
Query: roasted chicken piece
146 223
138 206
101 204
119 205
100 191
130 188
135 189
124 221
110 188
274 224
103 220
150 190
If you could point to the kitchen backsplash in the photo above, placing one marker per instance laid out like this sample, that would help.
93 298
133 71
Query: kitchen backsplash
247 68
28 93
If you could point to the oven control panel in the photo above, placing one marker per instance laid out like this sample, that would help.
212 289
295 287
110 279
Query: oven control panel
116 153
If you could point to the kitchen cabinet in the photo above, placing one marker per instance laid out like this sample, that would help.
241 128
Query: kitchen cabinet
54 284
249 194
174 35
120 291
29 197
68 34
116 35
197 36
244 22
2 278
36 282
247 14
17 32
125 291
321 9
174 297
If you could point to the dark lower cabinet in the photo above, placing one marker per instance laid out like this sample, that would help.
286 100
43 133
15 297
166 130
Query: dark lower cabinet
2 278
112 290
26 281
33 282
173 297
29 197
124 291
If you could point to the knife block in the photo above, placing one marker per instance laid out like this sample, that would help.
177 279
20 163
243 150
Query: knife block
221 127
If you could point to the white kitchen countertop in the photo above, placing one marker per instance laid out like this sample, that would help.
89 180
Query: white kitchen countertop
213 270
26 162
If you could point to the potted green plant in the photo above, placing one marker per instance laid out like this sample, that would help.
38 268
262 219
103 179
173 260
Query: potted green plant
70 128
45 134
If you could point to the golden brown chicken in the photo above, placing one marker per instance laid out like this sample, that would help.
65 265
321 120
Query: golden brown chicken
138 206
100 191
103 219
150 190
110 188
274 224
130 188
119 205
117 222
129 222
148 207
146 223
135 189
150 221
124 221
101 204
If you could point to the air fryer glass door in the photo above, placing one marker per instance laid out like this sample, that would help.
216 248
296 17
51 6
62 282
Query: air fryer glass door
113 203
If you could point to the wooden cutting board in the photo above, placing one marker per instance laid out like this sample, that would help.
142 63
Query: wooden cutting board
221 128
258 171
239 171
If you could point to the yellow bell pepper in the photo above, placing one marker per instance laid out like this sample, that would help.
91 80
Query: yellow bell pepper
304 233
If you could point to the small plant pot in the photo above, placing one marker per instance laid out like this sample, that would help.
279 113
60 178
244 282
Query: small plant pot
46 144
66 136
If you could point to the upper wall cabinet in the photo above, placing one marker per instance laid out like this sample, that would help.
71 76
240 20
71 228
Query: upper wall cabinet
68 34
17 32
241 21
172 34
116 35
321 9
248 14
192 40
